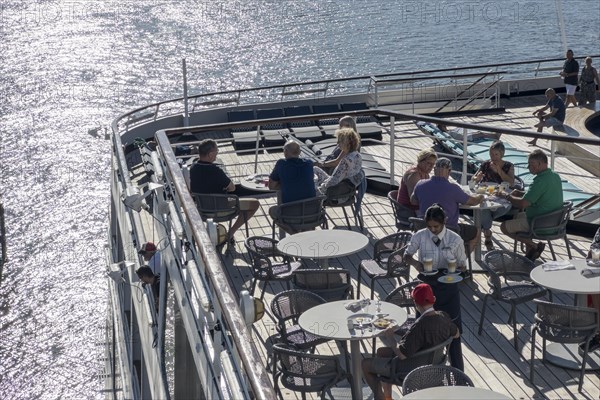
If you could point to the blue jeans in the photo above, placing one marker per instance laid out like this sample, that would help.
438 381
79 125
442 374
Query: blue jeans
487 216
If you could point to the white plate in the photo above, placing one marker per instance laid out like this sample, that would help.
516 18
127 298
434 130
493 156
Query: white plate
433 272
595 264
450 279
391 322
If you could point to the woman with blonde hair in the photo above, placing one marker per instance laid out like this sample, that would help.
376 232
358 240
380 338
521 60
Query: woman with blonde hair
425 162
333 159
349 165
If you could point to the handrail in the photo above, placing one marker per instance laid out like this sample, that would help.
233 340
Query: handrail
237 92
468 88
450 76
258 378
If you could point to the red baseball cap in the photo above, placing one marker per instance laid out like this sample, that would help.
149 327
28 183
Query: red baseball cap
149 246
423 294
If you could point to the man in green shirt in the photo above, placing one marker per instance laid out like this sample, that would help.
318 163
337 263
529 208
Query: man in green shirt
543 196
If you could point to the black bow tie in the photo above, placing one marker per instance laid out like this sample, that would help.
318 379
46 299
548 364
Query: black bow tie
436 240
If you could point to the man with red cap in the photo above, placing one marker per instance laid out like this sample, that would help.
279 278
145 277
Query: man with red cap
151 255
430 329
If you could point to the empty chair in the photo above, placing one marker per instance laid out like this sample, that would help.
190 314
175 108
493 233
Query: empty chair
298 216
436 355
401 212
387 262
330 284
265 268
286 308
432 376
343 195
306 373
509 282
549 227
561 323
219 207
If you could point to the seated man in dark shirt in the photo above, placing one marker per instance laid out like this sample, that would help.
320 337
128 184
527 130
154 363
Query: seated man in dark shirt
146 275
429 330
208 178
293 175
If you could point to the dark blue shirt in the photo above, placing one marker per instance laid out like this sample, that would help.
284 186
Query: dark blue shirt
558 103
296 177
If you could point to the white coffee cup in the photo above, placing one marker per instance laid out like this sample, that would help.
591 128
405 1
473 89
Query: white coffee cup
451 265
428 264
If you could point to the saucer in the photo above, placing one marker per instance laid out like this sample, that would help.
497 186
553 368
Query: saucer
432 272
450 279
457 272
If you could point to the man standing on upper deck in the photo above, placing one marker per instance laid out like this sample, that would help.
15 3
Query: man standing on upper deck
569 73
543 196
556 116
208 178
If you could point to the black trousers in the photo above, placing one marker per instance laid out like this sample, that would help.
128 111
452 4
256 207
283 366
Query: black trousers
447 299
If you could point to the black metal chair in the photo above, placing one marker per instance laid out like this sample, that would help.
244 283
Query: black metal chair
549 227
343 195
330 284
436 355
509 282
305 372
298 216
286 308
401 212
434 376
265 267
562 323
387 262
219 207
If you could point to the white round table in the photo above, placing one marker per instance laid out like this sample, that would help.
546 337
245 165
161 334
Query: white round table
330 320
250 182
569 281
323 244
455 392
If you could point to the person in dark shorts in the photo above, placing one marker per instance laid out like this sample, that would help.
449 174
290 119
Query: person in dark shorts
430 329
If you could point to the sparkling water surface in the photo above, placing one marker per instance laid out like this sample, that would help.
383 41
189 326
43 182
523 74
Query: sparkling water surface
69 67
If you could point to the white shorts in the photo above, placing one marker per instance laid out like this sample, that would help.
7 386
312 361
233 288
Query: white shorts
570 89
552 122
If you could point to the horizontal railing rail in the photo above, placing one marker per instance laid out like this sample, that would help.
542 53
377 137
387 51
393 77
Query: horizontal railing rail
155 111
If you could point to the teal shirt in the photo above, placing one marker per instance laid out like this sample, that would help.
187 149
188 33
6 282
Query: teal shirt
544 195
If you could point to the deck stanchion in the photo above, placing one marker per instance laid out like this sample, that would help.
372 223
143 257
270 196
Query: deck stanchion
186 113
256 149
463 179
392 148
552 152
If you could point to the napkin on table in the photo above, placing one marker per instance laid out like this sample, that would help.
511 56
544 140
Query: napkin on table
590 273
557 265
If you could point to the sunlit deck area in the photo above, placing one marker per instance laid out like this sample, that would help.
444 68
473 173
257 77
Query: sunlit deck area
490 359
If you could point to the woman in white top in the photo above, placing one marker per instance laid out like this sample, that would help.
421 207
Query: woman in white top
349 166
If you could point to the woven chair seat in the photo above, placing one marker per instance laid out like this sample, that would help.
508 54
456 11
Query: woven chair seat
521 293
301 339
372 268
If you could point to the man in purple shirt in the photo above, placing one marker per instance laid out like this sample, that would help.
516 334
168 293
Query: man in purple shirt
449 195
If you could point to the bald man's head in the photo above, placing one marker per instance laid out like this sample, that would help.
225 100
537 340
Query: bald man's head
291 149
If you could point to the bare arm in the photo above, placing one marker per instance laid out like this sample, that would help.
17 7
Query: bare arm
517 202
541 110
230 187
274 185
410 260
411 182
474 200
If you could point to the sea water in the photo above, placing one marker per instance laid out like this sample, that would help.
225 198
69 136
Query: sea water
69 67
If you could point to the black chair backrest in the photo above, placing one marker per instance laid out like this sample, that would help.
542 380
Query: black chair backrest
240 116
330 284
290 304
433 376
552 225
340 195
270 113
563 323
302 214
219 207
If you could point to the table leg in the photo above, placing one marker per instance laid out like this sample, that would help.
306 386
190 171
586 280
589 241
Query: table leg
355 354
477 223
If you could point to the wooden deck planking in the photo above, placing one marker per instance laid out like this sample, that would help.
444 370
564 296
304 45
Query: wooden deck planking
490 359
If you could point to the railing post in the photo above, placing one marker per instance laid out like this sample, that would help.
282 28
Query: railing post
256 149
392 148
552 152
463 179
376 92
186 112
